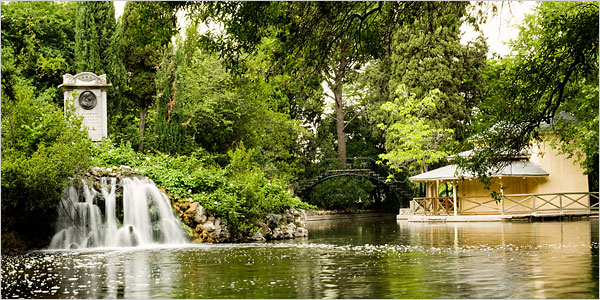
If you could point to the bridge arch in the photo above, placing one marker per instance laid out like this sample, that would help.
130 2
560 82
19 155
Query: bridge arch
360 167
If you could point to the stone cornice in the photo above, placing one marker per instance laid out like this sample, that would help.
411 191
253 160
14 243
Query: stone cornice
84 79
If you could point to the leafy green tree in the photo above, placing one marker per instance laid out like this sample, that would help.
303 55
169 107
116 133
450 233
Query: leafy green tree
412 140
343 193
147 28
322 38
427 54
169 126
553 68
37 43
423 94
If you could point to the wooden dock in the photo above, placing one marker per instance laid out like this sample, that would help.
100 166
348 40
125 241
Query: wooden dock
500 218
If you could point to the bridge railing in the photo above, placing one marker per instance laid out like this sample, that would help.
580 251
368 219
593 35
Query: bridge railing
352 164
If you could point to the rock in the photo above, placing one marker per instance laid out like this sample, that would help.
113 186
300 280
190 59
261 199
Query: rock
264 228
215 233
190 213
199 229
287 217
209 226
302 214
273 220
288 231
126 170
301 232
96 171
276 234
200 215
225 234
257 236
205 236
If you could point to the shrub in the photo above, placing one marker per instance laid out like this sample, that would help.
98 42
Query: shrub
41 151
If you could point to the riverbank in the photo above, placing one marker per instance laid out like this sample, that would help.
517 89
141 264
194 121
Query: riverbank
318 215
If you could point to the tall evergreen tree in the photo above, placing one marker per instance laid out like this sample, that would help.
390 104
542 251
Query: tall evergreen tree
169 128
96 51
428 55
147 28
442 78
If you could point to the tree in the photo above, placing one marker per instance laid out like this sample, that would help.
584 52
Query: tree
97 51
423 94
412 140
41 151
427 54
36 43
553 68
147 28
322 38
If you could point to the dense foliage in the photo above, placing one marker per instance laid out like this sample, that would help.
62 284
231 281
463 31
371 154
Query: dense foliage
41 150
97 39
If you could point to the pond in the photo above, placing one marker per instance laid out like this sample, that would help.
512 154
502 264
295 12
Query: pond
345 258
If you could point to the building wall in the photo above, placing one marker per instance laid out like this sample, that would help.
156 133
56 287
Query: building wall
565 174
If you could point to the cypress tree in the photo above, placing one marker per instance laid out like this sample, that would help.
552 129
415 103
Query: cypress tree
428 55
97 51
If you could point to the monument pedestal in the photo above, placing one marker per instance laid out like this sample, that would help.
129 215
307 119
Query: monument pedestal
85 96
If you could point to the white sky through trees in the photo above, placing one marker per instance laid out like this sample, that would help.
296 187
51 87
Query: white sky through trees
498 29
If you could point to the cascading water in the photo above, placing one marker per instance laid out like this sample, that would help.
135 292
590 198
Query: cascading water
147 217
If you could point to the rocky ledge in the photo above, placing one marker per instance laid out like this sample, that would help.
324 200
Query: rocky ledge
210 229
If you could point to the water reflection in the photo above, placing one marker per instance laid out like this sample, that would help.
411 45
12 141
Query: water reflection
361 258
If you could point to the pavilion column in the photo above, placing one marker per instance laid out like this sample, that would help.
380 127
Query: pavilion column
454 182
437 197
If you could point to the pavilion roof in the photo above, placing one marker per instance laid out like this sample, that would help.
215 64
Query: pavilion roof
513 169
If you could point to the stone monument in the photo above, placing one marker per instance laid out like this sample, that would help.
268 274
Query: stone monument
85 96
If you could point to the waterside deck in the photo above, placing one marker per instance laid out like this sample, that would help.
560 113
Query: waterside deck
518 207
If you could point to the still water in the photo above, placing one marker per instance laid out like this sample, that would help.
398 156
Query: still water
348 258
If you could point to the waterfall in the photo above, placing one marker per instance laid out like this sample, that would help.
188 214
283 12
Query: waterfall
110 211
147 216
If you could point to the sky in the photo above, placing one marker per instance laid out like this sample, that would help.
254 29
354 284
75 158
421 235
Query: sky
501 28
498 29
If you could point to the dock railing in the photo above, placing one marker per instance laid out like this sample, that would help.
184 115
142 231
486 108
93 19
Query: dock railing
561 203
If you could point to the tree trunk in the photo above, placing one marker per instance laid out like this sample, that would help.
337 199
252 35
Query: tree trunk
143 114
339 124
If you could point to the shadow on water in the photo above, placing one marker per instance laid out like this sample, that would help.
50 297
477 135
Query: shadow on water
350 258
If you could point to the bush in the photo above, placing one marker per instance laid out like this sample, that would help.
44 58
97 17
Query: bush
41 151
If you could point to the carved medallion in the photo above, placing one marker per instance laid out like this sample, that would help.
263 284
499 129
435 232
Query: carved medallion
87 100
